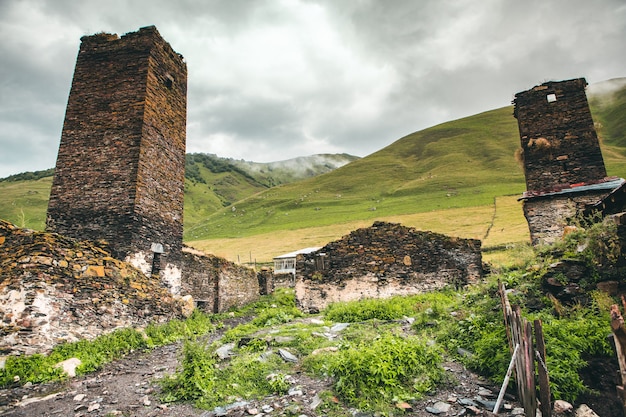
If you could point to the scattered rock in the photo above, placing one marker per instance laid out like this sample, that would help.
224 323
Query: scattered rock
324 350
562 407
339 327
287 356
584 411
404 406
484 392
439 408
69 366
467 402
225 351
489 405
474 410
464 352
315 402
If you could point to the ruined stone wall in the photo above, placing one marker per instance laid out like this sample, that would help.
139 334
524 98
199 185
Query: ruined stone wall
557 135
284 281
55 289
547 216
120 169
384 260
217 284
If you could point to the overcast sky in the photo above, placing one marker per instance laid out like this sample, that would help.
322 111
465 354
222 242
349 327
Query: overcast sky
272 80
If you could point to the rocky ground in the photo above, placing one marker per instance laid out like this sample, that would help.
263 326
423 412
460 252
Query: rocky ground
130 387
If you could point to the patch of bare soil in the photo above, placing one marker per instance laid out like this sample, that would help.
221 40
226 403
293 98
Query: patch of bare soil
129 387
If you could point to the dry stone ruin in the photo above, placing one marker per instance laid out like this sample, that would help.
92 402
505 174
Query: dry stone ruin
384 260
56 289
113 253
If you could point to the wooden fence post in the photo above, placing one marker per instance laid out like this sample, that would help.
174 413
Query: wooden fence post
617 325
542 371
519 332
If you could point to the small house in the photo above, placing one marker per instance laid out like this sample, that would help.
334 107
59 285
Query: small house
286 264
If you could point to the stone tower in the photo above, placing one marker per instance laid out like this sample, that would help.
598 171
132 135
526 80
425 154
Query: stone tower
120 169
563 163
558 137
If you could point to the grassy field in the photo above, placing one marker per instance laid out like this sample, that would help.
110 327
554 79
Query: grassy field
509 227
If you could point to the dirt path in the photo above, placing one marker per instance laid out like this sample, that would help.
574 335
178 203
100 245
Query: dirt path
129 387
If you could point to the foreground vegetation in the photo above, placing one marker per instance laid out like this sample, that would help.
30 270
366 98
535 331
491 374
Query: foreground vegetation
391 351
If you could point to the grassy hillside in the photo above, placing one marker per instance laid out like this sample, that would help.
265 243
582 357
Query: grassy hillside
211 182
459 178
24 202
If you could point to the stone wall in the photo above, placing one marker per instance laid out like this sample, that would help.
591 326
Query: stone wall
217 284
120 169
55 289
384 260
557 135
547 216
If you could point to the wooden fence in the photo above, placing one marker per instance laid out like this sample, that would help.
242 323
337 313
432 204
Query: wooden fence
619 336
525 354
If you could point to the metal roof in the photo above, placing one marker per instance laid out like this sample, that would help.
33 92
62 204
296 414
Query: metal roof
608 184
296 253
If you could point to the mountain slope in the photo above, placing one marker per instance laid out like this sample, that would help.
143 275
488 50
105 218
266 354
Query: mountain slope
211 182
462 163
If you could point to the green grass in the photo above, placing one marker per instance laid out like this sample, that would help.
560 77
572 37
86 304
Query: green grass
463 165
104 349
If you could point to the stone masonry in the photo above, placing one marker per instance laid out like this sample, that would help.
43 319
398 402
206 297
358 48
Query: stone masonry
557 135
56 289
119 175
563 163
384 260
217 284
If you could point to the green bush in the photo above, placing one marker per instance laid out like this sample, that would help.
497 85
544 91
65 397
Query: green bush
197 378
374 375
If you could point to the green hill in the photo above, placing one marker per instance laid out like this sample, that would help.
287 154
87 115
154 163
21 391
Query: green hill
461 167
459 164
211 182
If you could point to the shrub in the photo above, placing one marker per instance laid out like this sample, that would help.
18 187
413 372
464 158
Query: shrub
373 375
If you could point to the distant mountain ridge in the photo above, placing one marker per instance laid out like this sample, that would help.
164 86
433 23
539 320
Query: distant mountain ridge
211 182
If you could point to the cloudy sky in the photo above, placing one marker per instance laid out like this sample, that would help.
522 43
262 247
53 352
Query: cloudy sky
275 79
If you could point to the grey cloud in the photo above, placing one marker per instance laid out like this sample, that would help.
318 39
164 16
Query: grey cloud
274 80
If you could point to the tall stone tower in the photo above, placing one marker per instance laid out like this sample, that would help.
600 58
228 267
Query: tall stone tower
563 162
120 169
558 137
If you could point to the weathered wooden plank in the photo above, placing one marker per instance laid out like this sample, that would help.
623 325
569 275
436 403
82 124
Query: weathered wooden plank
542 371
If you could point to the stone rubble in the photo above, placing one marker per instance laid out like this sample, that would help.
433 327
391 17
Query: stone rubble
54 289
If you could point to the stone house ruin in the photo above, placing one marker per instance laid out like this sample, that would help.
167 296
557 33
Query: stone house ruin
384 260
563 164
